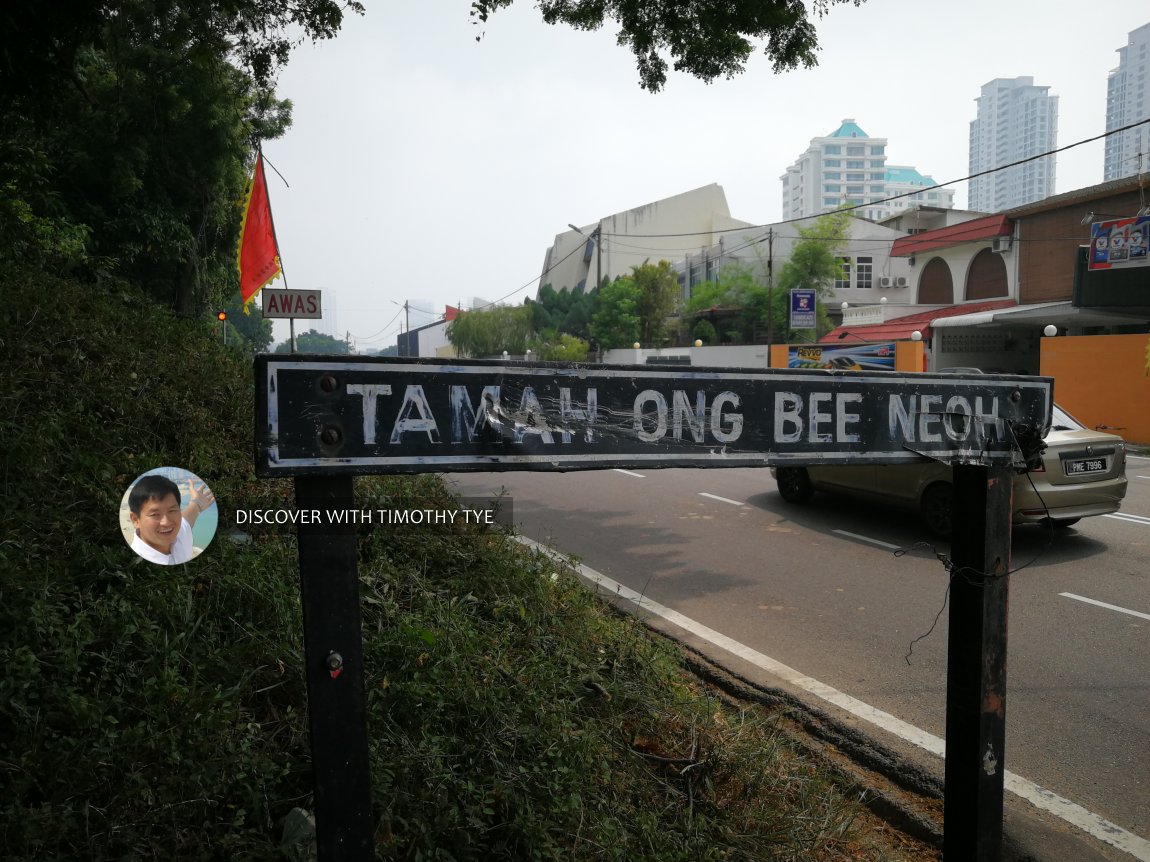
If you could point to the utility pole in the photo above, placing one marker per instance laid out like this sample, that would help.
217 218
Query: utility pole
770 292
599 254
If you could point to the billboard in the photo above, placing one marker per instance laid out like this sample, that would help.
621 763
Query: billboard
878 356
1119 243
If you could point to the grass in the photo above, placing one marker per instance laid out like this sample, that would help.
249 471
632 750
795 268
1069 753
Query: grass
148 713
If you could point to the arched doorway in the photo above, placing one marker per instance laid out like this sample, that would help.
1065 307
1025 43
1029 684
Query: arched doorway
986 278
936 287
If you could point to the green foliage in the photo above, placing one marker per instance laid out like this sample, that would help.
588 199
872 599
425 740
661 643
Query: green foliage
813 264
563 311
490 331
252 331
735 301
657 298
134 162
705 39
39 50
144 712
555 347
314 341
705 331
616 320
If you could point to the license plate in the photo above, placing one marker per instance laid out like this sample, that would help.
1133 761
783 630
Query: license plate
1086 465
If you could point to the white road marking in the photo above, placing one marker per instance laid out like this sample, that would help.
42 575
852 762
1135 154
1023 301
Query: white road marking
629 473
867 539
1133 519
1074 814
721 499
1105 605
1142 477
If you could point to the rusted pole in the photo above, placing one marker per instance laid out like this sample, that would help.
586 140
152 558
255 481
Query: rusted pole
976 664
333 657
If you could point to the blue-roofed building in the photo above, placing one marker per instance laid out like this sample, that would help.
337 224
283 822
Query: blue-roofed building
849 129
848 168
909 188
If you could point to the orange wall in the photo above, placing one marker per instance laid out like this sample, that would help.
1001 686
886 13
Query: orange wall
1101 380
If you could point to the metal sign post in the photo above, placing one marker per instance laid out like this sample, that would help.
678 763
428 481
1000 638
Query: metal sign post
324 419
976 663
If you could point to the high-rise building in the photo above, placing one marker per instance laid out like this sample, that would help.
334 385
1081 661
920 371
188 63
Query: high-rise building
848 168
1127 102
1016 121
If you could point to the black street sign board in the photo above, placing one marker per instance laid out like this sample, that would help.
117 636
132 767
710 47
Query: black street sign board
330 415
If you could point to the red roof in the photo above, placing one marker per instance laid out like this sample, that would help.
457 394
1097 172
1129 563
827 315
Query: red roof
900 328
977 229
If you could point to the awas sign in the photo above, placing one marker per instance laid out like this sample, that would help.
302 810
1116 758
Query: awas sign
327 415
292 303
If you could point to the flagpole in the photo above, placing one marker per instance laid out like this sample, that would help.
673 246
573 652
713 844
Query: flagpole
275 239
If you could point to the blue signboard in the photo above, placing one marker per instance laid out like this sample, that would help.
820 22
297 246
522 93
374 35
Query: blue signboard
802 309
1120 243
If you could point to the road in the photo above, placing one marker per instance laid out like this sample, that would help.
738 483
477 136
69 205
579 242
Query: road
819 589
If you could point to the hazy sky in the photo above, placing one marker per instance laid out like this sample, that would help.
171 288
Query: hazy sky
425 166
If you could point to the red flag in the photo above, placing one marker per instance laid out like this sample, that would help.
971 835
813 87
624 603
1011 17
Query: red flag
258 255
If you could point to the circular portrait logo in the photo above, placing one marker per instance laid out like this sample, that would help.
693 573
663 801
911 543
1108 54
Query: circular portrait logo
168 516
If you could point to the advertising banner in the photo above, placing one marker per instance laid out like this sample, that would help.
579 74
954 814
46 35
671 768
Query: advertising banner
1119 243
878 356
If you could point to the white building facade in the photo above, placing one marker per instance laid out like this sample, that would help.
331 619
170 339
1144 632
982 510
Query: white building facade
848 168
1015 120
1127 102
869 274
652 232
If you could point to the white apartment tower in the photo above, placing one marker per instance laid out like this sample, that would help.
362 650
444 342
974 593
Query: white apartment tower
1016 120
848 168
1127 102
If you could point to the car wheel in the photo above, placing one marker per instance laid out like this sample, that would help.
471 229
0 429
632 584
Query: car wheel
937 508
1062 523
794 484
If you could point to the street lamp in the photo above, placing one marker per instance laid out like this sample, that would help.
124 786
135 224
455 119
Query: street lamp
597 238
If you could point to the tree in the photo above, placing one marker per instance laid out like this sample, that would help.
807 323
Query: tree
813 264
313 341
737 301
616 320
490 331
705 39
126 132
562 348
40 43
657 297
253 327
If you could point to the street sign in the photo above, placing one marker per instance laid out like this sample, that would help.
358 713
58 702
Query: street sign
326 415
803 309
304 304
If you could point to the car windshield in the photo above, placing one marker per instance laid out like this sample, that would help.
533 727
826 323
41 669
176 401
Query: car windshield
1063 421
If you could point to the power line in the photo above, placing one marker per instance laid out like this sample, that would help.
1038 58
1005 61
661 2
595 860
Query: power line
904 194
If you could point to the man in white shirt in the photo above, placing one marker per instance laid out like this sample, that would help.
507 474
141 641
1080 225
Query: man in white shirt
163 531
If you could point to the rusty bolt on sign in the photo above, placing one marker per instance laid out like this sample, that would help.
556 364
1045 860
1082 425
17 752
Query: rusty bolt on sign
331 435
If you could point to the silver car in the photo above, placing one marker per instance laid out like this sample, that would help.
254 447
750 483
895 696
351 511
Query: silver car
1083 473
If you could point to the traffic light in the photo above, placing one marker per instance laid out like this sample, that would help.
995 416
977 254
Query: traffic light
221 316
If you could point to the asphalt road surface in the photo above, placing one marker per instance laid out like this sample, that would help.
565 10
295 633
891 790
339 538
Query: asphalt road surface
820 589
